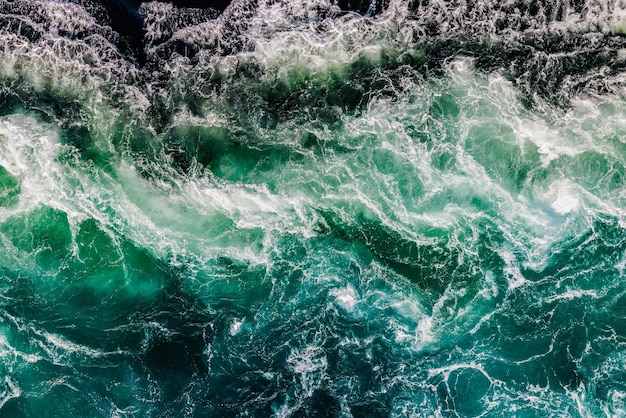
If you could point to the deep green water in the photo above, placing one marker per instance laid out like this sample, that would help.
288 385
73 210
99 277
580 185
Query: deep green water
418 214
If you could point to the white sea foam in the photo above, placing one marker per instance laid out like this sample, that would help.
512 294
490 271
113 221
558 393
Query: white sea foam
346 297
236 327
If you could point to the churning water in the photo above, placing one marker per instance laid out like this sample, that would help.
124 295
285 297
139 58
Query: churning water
291 210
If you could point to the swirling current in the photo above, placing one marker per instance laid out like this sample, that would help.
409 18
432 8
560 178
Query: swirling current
301 208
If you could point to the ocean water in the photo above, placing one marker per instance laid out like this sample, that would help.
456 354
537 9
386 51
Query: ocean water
291 210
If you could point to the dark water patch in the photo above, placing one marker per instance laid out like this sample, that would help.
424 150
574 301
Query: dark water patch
401 254
198 146
177 351
295 351
544 347
554 66
246 154
87 278
432 267
9 188
21 28
157 346
228 155
45 232
513 16
556 333
493 146
259 98
463 392
50 104
163 23
10 101
320 404
369 408
30 18
596 171
365 8
599 247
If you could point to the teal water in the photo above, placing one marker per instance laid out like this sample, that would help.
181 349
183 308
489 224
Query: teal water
418 214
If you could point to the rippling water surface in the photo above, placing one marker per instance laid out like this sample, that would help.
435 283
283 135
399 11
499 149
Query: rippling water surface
288 209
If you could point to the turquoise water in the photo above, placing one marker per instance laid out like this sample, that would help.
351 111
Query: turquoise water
291 211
